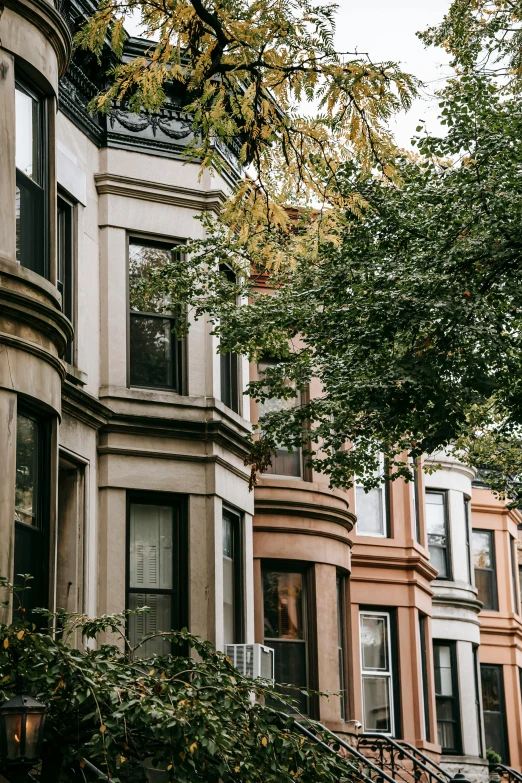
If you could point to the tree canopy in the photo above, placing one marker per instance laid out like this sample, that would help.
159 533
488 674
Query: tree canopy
405 304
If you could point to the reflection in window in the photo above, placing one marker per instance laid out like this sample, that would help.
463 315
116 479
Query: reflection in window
376 672
152 537
448 710
229 368
26 488
285 629
31 167
155 352
484 563
494 710
232 579
436 526
64 253
284 462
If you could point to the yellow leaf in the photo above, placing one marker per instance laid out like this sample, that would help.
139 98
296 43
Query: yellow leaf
162 676
20 635
123 759
103 728
236 769
82 763
152 672
169 767
193 748
182 756
264 742
5 678
6 644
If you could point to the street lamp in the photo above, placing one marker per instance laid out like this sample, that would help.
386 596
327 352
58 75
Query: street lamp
21 725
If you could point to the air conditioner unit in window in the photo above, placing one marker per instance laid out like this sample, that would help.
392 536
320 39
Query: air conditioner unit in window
252 660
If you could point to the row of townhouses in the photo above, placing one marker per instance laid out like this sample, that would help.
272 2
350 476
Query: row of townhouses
122 478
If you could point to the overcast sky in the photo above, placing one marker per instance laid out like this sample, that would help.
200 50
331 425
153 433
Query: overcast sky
386 30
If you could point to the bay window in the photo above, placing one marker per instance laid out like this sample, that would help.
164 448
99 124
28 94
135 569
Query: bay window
285 629
155 572
437 529
376 670
155 353
31 160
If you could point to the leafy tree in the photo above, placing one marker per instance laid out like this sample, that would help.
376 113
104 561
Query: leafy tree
193 715
265 74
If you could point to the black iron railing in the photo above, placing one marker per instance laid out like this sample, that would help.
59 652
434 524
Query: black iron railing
506 774
400 760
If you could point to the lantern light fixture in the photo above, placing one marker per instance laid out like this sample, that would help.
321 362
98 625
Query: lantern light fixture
22 720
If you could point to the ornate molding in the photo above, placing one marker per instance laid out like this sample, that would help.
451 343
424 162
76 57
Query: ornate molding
174 195
396 562
43 14
38 315
302 532
83 407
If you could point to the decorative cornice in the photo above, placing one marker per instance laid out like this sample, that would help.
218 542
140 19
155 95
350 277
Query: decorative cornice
83 406
299 508
396 562
172 456
439 599
174 195
38 315
43 14
33 348
302 532
207 431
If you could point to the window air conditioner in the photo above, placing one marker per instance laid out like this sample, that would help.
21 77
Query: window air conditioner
252 660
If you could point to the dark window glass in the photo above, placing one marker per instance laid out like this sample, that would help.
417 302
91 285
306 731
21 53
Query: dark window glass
64 247
520 587
32 493
230 380
478 710
154 574
446 695
154 351
437 529
31 180
416 498
284 462
494 710
341 644
513 552
232 579
485 571
376 671
423 630
285 629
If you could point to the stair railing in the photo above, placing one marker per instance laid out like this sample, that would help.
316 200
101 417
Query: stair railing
504 773
399 761
423 757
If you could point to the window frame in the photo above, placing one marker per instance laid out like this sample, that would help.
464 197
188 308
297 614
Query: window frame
478 702
447 528
270 469
342 645
502 698
180 581
391 673
40 228
178 347
385 499
238 549
455 697
416 497
229 363
67 287
306 570
467 522
492 570
512 552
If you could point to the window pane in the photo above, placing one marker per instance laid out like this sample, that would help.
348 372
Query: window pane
374 642
229 380
144 263
26 154
369 510
290 667
438 559
494 710
445 723
283 605
481 549
26 470
151 546
490 689
151 351
29 212
483 583
443 680
157 619
284 463
376 699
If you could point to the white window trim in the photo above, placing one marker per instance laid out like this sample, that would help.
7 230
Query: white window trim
378 672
